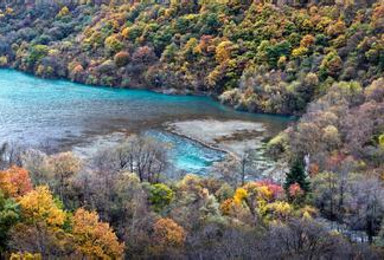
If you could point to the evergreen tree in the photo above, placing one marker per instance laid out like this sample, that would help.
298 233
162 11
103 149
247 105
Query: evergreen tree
9 216
297 175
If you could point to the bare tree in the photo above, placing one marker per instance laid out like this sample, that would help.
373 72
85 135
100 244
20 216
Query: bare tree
10 154
234 170
365 205
141 155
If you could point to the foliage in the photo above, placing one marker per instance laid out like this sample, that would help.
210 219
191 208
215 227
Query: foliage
321 60
160 196
9 216
40 206
168 235
121 59
256 48
15 182
296 182
94 238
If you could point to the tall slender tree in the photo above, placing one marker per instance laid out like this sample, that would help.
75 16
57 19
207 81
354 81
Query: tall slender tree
297 175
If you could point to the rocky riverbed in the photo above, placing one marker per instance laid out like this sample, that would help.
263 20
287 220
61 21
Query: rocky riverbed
233 136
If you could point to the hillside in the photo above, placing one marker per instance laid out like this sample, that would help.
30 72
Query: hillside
253 56
321 60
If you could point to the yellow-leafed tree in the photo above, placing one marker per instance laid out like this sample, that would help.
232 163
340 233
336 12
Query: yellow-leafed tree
40 206
94 238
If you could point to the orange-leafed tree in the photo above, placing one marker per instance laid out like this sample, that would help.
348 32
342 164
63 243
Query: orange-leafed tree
168 236
15 182
93 238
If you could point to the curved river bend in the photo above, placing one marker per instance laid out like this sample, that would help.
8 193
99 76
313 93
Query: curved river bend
37 111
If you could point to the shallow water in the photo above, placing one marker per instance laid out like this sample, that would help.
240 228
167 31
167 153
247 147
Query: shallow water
187 155
62 114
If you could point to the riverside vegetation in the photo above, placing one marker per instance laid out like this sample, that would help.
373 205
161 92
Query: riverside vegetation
322 61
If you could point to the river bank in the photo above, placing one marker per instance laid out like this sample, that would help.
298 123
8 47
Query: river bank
233 136
195 146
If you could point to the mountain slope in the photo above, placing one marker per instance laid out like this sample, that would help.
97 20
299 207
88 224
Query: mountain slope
254 56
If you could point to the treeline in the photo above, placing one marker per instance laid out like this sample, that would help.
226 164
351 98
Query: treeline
58 206
252 55
341 135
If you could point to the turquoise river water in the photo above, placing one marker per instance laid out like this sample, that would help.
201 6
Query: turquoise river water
62 114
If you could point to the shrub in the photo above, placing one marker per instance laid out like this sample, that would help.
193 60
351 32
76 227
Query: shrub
121 59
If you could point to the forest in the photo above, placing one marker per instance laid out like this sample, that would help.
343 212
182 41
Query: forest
321 61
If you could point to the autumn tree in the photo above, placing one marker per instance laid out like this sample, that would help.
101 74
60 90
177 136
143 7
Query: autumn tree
144 55
15 182
331 65
64 166
194 205
42 225
121 59
94 238
168 237
224 51
39 205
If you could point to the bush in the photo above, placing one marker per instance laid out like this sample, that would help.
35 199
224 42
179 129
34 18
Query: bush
121 59
160 196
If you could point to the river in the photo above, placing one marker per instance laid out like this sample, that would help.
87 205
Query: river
64 114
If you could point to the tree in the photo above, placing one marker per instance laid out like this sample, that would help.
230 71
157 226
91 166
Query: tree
10 155
121 59
41 239
302 239
307 40
168 236
375 91
193 204
326 187
131 214
63 12
40 206
9 216
297 175
142 155
93 238
331 65
15 182
160 196
113 44
365 205
37 52
224 51
25 255
64 166
42 226
144 55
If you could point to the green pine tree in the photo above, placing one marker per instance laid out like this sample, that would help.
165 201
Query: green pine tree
297 175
